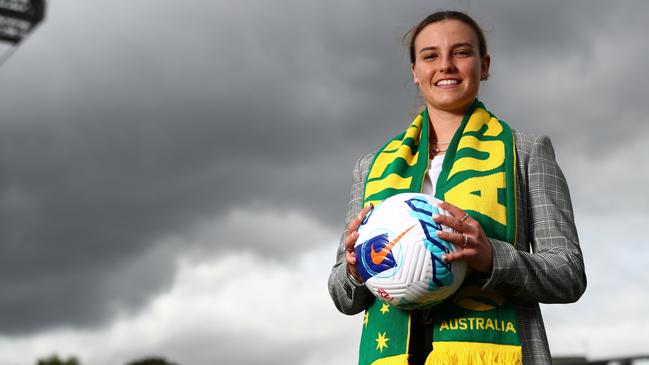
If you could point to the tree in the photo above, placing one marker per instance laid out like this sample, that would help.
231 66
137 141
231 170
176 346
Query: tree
55 360
151 361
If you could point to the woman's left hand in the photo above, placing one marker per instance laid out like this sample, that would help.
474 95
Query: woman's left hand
473 245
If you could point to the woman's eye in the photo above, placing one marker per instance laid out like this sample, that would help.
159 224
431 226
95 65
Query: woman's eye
431 56
463 52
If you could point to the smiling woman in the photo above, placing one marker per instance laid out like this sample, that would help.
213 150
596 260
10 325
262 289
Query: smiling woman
509 207
448 65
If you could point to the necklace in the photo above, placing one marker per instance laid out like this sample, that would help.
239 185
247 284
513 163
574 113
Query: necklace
435 150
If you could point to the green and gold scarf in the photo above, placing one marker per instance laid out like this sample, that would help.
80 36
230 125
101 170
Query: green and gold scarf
478 176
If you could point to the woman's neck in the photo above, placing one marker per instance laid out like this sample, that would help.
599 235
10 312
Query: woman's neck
443 124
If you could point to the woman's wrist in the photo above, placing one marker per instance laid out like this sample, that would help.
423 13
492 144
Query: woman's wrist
353 278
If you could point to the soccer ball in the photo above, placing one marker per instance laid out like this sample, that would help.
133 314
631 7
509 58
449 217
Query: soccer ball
399 255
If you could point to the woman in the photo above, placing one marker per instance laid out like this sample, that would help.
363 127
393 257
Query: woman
510 209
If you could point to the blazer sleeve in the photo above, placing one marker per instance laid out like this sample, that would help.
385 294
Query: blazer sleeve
350 296
554 271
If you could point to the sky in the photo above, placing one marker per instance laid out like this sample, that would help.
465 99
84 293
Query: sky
174 176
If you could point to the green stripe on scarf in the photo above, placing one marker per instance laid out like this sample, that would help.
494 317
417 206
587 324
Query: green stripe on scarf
478 175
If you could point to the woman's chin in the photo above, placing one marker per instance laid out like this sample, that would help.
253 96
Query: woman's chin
451 105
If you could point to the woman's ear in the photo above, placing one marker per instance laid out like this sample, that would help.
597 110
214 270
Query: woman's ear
415 80
484 69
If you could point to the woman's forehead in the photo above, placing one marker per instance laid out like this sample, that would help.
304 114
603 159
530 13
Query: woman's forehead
446 33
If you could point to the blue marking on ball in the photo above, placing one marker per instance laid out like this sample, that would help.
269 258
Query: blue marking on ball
423 211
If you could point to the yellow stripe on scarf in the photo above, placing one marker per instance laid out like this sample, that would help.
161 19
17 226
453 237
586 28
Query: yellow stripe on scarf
463 196
392 360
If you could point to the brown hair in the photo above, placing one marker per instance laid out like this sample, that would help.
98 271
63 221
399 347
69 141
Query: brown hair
438 16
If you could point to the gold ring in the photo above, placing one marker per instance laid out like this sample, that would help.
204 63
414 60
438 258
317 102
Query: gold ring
464 218
466 240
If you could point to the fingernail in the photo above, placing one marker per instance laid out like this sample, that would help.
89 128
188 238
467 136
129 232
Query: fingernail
438 233
445 258
435 216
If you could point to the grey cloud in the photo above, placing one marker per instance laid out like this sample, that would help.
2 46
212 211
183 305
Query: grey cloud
238 348
126 124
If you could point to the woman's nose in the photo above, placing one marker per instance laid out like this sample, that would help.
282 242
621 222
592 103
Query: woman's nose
447 64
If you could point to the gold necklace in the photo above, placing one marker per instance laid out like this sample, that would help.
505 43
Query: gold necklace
436 150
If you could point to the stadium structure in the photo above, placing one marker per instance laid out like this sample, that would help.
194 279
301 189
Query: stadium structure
18 18
629 360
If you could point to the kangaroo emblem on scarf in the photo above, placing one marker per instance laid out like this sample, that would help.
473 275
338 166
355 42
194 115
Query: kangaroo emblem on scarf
478 176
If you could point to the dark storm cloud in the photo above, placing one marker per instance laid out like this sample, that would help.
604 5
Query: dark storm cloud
558 68
133 132
126 124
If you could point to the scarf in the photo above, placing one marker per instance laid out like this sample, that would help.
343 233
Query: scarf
478 176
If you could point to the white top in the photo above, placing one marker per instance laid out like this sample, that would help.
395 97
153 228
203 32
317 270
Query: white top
434 169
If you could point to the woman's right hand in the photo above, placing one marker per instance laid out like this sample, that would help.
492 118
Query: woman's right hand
350 241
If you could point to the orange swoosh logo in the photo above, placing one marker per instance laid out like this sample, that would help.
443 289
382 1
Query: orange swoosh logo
378 257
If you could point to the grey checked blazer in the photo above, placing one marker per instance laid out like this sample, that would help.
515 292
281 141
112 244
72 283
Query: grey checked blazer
545 265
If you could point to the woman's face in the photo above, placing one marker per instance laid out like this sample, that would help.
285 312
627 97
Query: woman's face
448 67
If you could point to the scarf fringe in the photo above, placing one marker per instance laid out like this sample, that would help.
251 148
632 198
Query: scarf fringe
473 353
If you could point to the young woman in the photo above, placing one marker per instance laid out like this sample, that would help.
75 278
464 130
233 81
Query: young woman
510 209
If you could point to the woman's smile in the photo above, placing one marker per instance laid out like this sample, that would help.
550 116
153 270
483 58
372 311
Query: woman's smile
445 83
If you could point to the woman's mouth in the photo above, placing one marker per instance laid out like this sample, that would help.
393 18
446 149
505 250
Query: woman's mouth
447 82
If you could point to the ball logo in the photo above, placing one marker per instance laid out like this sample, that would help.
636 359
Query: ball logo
366 252
379 256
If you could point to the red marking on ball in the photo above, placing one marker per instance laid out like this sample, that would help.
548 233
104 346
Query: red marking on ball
383 294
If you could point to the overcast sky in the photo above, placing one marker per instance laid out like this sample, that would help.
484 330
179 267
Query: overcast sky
174 174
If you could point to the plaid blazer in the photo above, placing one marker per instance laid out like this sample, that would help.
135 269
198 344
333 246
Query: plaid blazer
544 266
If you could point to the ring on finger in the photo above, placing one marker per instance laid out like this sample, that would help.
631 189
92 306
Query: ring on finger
466 240
464 218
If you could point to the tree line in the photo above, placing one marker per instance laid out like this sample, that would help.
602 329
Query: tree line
72 360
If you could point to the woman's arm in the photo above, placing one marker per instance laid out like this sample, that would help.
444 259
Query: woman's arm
554 271
350 296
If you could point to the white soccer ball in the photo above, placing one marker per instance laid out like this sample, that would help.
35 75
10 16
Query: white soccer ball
399 255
